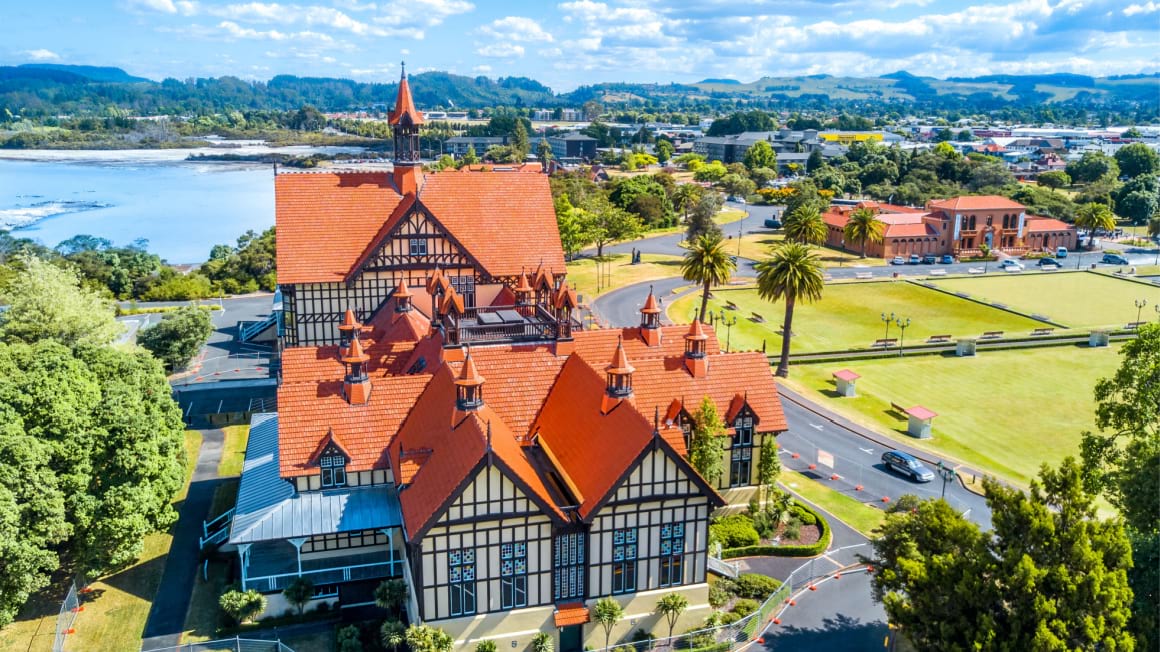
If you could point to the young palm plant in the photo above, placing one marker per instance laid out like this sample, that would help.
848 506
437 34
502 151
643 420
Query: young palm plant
708 263
804 224
792 272
863 227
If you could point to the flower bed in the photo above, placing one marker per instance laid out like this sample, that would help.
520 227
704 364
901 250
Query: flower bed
800 548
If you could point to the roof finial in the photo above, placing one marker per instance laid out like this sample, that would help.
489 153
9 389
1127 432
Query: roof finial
489 435
656 421
403 65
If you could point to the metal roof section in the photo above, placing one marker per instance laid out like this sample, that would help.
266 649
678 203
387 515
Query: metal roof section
268 508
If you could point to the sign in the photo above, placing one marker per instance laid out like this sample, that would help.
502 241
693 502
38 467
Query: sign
825 459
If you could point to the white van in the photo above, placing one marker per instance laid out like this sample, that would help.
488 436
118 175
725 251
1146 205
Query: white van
1061 252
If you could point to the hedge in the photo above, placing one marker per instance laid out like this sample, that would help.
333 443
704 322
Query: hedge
810 550
717 647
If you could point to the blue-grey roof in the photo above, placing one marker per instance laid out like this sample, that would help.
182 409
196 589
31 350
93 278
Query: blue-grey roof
268 507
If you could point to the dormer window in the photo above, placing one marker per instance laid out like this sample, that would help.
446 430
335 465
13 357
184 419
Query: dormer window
333 471
418 246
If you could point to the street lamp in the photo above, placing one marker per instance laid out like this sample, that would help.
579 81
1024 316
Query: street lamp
1140 303
886 319
1157 307
901 338
947 474
728 328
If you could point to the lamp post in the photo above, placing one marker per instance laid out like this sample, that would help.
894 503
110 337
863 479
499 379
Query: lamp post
886 319
947 474
728 324
901 338
1157 307
1140 303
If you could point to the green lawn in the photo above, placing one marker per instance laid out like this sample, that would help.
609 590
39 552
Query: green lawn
849 316
755 246
851 511
619 272
1002 411
1077 299
233 450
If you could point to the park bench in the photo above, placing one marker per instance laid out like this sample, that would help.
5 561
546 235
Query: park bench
897 408
884 343
826 278
864 275
757 318
935 339
730 305
1042 331
781 331
1133 325
976 270
990 335
938 272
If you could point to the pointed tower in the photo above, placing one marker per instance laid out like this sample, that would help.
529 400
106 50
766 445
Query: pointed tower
650 320
696 342
619 373
402 297
405 121
348 328
356 385
469 386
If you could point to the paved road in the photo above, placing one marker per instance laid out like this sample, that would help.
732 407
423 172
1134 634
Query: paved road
669 244
840 615
167 616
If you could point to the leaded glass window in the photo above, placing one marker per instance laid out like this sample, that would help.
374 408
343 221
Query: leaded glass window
461 578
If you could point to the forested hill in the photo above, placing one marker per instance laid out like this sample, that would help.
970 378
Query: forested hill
35 91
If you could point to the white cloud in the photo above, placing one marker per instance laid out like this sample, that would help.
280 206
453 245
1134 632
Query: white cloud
482 69
41 55
237 31
1147 8
500 50
164 6
516 28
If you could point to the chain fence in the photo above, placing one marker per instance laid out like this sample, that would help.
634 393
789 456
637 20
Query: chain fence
69 608
235 644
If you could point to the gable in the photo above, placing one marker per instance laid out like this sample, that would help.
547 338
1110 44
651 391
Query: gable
417 240
657 475
490 494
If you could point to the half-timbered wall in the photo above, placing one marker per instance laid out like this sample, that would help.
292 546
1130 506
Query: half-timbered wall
353 479
488 521
652 500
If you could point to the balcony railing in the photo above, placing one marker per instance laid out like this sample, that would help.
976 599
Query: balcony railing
492 324
271 583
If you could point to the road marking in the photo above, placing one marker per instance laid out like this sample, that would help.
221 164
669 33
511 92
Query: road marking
816 426
868 451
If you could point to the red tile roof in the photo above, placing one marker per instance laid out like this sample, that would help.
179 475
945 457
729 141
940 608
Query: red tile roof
919 412
405 110
977 203
846 374
1036 223
909 230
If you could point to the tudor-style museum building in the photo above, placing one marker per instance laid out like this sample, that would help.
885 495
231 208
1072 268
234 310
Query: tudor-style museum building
443 418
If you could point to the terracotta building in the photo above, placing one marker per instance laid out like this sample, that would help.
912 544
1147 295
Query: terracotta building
958 226
444 419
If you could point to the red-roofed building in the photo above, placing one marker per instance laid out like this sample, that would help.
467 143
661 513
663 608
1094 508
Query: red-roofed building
958 226
444 419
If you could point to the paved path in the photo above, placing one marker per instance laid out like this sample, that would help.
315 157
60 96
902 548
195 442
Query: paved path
167 617
840 615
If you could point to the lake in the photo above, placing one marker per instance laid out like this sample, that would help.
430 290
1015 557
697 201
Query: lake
182 208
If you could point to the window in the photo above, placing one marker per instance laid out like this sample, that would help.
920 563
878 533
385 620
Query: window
323 542
624 560
461 577
741 453
333 471
672 554
418 246
325 591
513 570
568 566
465 287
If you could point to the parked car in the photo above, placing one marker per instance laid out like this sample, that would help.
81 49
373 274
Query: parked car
1114 259
1061 252
914 259
929 259
1044 262
947 259
1011 264
772 223
907 465
898 260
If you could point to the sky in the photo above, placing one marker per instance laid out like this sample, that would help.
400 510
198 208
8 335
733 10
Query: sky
577 42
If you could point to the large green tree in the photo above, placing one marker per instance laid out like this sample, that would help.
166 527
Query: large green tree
47 302
1138 159
804 224
178 337
701 218
708 263
792 273
605 224
707 441
1049 576
864 226
1093 166
1094 216
760 155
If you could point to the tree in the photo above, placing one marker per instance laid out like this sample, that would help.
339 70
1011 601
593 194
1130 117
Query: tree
607 612
544 152
1049 576
573 236
707 441
242 605
712 172
1094 216
425 638
804 224
178 337
1137 160
1093 166
299 592
664 150
542 642
1154 226
760 155
470 157
349 639
864 226
815 162
737 185
47 302
392 595
685 196
1055 179
793 272
701 220
606 224
671 607
707 262
768 468
519 142
1122 461
1138 206
393 634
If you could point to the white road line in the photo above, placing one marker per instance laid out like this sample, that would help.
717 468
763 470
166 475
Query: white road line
868 451
816 426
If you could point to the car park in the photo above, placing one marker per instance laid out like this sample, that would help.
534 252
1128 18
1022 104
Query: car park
898 260
914 259
1114 259
1011 264
907 465
929 259
947 259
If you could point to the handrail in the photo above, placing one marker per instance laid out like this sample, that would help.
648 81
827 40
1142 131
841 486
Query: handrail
228 515
272 580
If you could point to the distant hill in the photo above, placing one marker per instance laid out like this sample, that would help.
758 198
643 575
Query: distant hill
93 73
725 80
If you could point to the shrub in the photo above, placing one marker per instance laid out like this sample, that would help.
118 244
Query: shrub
718 595
178 337
734 531
643 640
752 585
701 638
728 618
793 529
485 646
242 606
803 515
348 639
542 642
746 606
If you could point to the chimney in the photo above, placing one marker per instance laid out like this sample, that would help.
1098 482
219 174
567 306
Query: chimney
356 385
695 346
650 320
619 373
402 297
469 386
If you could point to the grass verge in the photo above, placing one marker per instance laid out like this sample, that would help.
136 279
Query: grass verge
233 450
849 510
619 272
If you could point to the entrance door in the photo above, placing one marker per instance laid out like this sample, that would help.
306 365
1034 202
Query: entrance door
571 638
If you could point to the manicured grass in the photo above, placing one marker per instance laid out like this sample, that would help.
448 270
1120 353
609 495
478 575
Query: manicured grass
849 316
619 272
1006 412
755 246
851 511
1077 299
234 450
116 609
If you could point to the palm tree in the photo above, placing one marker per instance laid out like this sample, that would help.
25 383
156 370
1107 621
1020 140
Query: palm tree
685 196
864 226
706 262
792 272
1092 216
804 224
